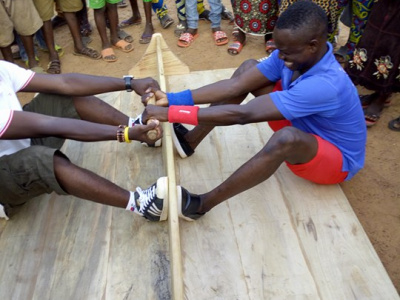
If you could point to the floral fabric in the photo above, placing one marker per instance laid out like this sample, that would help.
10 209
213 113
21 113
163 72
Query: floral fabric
375 63
255 17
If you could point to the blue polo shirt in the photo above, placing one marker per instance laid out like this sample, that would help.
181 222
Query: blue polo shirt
323 101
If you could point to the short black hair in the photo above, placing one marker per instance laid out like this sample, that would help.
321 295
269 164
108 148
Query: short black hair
304 15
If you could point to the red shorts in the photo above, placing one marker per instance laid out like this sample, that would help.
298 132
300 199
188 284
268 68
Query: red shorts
325 167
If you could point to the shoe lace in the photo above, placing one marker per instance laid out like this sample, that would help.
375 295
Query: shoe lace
145 197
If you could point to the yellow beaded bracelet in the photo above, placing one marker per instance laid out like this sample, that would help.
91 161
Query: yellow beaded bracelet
126 136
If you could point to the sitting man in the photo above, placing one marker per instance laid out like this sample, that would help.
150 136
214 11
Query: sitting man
316 114
31 163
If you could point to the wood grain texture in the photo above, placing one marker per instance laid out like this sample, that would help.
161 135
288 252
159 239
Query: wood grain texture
284 239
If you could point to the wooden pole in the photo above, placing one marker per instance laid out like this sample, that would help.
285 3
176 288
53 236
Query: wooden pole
169 164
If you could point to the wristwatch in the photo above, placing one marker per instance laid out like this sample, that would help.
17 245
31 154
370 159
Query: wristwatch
128 83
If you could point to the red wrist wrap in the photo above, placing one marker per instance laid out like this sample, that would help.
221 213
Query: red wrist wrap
183 114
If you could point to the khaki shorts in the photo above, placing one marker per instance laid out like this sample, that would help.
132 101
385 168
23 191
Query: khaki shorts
20 15
30 172
46 8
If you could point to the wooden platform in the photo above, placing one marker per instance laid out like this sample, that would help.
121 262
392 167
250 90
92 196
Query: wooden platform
284 239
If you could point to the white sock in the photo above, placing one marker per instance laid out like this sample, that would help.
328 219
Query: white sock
132 203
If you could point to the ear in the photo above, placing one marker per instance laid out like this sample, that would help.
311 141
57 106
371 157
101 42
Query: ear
314 45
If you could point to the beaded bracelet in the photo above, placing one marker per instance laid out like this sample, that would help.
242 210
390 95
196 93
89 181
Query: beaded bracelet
120 133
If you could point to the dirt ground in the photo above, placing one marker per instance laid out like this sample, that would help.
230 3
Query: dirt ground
374 193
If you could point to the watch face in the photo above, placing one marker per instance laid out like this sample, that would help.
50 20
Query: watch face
128 85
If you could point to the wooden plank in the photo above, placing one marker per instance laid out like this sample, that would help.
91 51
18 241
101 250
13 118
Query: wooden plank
285 238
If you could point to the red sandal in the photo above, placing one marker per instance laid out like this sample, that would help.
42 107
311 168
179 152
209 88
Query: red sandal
186 39
235 48
220 38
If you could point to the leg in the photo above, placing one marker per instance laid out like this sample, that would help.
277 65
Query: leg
136 18
288 144
112 15
54 65
27 41
161 11
95 110
87 185
150 203
100 21
220 37
373 111
7 54
148 29
84 24
181 27
79 48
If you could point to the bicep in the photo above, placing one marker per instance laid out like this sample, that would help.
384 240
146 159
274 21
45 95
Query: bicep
44 83
28 125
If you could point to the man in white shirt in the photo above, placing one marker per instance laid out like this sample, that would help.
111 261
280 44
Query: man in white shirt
31 163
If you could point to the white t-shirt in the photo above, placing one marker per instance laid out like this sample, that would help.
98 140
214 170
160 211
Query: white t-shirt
12 79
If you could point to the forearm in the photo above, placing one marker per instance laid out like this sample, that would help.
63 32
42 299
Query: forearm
257 110
217 92
31 125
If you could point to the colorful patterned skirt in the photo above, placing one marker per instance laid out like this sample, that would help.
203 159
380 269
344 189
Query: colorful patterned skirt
375 63
255 17
333 9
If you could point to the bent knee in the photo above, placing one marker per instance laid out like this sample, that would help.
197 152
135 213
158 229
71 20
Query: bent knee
246 65
285 140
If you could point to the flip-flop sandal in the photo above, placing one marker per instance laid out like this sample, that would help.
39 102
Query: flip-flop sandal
122 4
180 28
108 55
145 38
38 69
125 36
54 67
371 118
186 39
89 53
130 22
27 61
123 46
394 124
235 48
59 50
220 38
366 100
235 33
166 21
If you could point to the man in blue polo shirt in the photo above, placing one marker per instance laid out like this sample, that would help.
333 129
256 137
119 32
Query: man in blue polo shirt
304 94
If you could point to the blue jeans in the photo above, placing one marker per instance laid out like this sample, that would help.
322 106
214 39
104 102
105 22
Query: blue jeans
38 39
192 16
